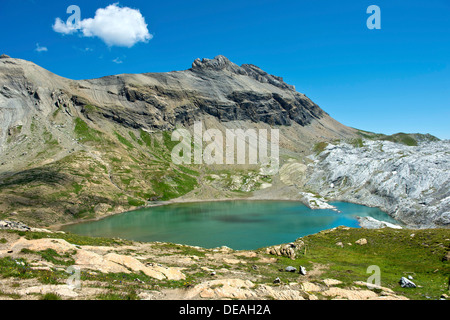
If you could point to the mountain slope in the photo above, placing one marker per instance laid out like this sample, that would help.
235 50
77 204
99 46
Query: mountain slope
80 149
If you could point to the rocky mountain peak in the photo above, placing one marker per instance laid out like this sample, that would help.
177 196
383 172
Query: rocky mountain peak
219 63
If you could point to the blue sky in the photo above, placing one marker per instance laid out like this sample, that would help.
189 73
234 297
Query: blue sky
396 79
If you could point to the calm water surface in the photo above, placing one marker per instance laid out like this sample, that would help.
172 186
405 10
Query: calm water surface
237 224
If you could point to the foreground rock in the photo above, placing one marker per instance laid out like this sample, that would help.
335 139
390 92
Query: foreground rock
289 250
119 269
406 283
372 223
106 263
315 201
19 226
13 225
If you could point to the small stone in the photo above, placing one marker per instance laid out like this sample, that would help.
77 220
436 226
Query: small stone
410 278
213 273
277 280
444 296
361 242
290 269
254 267
302 271
446 257
405 283
340 244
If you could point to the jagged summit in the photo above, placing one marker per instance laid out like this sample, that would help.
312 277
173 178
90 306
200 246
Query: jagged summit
221 63
218 63
212 87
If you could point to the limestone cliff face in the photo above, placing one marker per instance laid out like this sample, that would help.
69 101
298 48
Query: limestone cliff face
215 87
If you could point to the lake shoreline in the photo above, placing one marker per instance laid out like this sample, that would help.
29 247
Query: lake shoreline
58 227
241 224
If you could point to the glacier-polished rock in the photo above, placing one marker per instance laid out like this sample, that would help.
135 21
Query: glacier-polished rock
412 184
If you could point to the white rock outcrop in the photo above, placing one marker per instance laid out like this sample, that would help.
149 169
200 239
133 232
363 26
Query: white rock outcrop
410 183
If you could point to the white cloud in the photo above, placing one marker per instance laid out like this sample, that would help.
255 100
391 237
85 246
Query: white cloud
117 60
116 26
62 27
40 49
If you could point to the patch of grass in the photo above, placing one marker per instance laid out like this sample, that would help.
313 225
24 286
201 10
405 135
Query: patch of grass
409 139
189 171
51 277
403 138
135 202
173 185
85 133
134 138
171 248
46 175
145 136
77 187
112 295
52 256
167 138
89 109
357 143
17 268
394 251
123 140
73 238
320 147
33 125
48 139
3 240
10 295
51 296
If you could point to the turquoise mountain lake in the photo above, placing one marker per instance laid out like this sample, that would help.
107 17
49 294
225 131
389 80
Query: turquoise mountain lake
240 225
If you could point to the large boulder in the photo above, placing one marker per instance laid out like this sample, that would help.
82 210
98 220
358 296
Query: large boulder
371 223
288 250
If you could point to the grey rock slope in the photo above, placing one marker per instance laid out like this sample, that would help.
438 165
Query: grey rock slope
212 87
411 183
